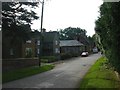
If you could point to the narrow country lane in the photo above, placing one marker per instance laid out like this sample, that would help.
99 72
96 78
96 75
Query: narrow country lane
65 75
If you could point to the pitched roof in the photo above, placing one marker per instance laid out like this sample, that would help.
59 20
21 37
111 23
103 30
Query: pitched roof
70 43
47 36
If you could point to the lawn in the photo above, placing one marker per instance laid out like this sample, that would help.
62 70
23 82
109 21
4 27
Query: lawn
25 72
100 75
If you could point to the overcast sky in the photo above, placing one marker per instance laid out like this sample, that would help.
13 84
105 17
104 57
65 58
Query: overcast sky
60 14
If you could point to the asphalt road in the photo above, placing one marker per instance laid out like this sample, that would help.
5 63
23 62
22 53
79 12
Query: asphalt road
67 74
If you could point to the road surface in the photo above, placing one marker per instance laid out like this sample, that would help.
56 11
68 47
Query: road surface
65 75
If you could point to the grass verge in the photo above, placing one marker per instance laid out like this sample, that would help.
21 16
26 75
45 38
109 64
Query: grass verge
25 72
100 75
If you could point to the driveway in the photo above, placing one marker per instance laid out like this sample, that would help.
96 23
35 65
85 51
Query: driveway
67 74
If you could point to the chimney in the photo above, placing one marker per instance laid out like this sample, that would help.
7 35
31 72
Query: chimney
44 30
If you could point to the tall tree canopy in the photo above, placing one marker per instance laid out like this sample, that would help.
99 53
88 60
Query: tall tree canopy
108 28
70 33
17 18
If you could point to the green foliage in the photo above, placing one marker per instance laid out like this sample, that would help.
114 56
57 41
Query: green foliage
17 12
100 75
79 34
65 55
44 60
71 33
75 54
25 72
48 59
108 28
17 20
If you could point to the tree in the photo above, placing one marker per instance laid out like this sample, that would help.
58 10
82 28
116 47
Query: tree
108 28
91 41
17 19
71 33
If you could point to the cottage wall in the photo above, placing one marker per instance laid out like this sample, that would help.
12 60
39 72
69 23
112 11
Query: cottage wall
28 45
71 49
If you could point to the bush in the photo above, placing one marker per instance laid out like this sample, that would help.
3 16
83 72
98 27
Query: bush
75 55
65 55
48 59
44 60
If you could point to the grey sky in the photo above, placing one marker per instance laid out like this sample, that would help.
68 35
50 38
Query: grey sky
60 14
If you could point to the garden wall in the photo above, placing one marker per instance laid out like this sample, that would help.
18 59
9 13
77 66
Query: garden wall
12 64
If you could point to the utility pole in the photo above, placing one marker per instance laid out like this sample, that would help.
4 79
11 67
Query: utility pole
41 35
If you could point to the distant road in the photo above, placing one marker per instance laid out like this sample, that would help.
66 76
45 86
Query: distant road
65 75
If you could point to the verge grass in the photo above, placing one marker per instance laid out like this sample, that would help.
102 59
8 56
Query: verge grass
100 75
25 72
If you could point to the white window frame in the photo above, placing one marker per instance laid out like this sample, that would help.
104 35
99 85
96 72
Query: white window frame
29 41
38 51
11 51
28 49
56 42
38 42
57 50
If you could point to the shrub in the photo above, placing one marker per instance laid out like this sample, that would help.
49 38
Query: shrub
65 55
75 54
44 60
48 59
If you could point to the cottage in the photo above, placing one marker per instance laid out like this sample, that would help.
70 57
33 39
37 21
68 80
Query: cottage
51 44
18 55
71 46
23 50
21 54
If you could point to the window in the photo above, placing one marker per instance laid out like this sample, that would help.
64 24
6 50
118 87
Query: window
57 50
56 42
28 52
11 52
38 42
38 51
28 41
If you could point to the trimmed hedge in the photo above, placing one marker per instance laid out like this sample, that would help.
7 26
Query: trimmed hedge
65 56
48 59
